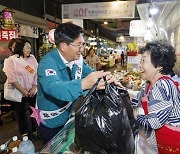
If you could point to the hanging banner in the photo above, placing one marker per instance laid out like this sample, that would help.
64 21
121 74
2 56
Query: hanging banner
133 62
102 10
7 35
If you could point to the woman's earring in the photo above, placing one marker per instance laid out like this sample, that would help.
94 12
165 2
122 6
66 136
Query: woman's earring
160 70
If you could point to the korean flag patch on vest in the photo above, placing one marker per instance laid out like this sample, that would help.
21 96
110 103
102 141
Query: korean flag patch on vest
50 72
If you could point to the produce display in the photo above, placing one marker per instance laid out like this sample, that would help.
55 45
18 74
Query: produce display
132 49
44 49
131 80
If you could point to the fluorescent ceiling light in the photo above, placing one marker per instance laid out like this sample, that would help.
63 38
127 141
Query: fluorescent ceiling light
153 9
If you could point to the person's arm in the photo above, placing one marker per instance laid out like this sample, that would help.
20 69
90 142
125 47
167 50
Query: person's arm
90 76
12 78
20 88
98 65
87 59
160 106
59 86
3 76
33 90
55 82
136 98
91 79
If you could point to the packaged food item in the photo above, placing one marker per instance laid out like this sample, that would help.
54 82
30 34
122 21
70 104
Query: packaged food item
13 143
3 149
15 151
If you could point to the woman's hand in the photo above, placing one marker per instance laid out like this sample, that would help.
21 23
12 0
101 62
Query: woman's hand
24 92
33 91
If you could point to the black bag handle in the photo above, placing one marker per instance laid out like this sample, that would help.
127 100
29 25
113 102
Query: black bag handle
93 88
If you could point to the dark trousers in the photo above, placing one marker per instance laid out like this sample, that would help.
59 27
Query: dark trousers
122 61
47 133
25 122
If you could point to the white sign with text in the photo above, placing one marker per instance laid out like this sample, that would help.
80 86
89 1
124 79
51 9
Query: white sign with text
101 10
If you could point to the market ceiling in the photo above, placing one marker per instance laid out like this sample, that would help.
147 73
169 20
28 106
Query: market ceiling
39 9
94 1
115 27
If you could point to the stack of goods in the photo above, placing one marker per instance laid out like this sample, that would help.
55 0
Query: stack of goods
132 49
131 80
10 145
44 49
17 146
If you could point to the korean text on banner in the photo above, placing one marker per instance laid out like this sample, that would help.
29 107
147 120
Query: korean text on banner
101 10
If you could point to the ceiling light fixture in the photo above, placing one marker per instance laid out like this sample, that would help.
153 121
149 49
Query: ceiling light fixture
153 9
105 22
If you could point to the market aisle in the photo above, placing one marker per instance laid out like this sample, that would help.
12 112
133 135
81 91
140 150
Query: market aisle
10 129
117 67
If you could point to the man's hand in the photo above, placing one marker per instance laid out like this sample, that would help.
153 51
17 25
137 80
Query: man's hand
91 79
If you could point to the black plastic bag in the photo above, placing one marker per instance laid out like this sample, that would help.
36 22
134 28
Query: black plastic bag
104 122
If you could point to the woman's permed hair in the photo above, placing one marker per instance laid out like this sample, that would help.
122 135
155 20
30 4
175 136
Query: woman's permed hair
162 55
11 42
20 43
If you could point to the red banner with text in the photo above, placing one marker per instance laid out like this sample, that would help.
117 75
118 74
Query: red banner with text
7 35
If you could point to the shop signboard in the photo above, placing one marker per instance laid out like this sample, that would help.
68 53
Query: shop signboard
7 35
29 31
133 62
137 28
101 10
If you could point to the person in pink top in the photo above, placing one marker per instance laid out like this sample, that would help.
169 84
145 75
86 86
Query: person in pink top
22 74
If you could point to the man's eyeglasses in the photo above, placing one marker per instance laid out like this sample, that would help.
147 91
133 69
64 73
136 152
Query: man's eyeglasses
80 46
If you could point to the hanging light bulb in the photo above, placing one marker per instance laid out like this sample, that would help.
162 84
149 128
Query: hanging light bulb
153 8
150 22
105 22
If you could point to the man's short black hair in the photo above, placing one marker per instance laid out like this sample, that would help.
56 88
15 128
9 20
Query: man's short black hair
67 32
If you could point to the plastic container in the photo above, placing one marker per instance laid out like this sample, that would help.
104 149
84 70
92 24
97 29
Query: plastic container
3 149
26 146
15 151
14 143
